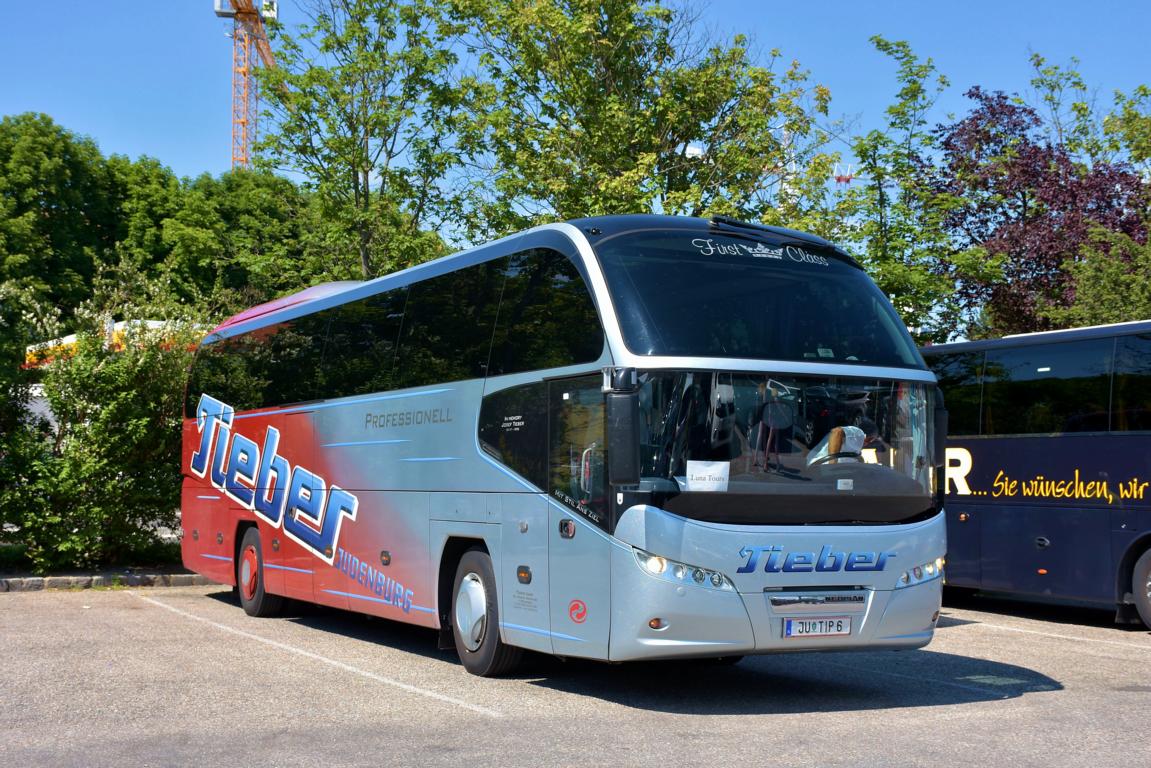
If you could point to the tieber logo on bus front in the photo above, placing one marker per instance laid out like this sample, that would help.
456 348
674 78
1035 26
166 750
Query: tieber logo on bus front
827 560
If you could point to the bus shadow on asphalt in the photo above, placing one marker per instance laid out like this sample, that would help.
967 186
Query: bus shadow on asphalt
773 684
946 621
1003 604
794 683
357 626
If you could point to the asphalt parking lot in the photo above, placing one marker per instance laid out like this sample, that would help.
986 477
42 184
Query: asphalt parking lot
180 676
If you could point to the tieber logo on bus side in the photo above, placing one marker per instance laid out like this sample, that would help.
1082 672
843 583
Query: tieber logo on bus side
294 498
827 560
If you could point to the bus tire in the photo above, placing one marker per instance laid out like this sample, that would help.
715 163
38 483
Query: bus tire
475 618
250 578
1141 587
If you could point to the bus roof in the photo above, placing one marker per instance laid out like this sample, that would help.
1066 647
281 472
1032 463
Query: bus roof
592 228
1042 337
599 227
300 297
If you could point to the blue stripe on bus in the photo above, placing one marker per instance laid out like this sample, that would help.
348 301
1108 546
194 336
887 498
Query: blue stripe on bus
543 632
419 608
218 557
340 404
364 442
286 568
434 458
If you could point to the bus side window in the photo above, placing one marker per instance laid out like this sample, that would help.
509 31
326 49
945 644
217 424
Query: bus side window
547 318
1131 410
447 329
1048 388
960 377
360 353
271 366
513 430
577 454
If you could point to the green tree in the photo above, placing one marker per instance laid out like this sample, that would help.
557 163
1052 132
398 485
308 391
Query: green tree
58 209
1070 119
148 194
898 214
1130 125
1112 278
363 103
239 240
589 107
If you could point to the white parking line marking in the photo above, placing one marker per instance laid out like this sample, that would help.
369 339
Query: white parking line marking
1072 638
326 660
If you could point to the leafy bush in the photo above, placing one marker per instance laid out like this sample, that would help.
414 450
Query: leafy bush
101 485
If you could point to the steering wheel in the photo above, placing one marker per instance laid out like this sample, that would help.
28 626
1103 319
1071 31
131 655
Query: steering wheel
840 455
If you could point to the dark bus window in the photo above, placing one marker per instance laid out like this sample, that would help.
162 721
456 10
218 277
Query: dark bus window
577 453
1131 410
1047 388
959 376
222 371
276 365
709 294
547 318
513 429
447 330
360 353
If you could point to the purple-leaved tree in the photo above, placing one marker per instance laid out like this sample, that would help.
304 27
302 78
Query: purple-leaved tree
1028 206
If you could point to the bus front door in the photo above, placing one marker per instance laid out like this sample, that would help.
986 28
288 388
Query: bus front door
579 551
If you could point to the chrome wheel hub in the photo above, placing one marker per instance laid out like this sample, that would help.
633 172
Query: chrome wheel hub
471 611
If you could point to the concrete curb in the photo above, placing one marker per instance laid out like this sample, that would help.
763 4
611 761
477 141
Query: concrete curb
37 583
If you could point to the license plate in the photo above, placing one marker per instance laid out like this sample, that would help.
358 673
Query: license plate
835 625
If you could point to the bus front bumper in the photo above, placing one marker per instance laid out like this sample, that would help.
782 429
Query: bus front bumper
654 618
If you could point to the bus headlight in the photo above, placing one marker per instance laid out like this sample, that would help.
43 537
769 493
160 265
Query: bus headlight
654 564
682 573
921 574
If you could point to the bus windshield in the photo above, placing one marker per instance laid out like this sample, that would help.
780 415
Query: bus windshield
757 447
714 294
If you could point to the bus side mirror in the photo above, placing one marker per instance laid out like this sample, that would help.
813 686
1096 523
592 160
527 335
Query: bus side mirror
623 438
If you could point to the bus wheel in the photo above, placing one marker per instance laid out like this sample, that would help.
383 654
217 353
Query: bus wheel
1141 587
250 578
475 618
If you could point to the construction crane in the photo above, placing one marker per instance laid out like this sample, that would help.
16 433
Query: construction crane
249 43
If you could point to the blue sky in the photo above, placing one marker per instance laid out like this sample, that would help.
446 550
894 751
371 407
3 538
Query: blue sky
154 78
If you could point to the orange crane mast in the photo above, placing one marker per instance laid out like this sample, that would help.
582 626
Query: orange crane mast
249 44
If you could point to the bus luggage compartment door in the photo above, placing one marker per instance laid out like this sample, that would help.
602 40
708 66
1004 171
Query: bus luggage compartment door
523 577
1048 550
